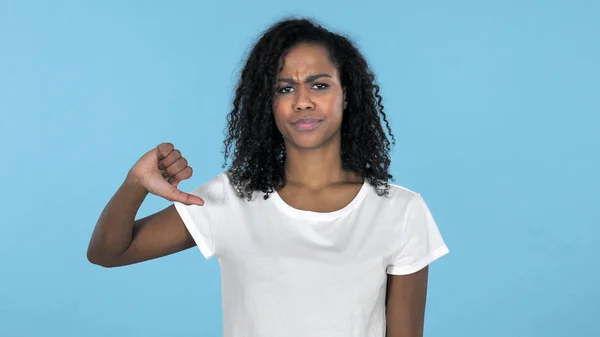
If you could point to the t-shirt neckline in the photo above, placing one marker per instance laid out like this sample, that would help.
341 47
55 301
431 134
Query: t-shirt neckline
312 215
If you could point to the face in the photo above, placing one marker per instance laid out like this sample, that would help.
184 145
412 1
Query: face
309 98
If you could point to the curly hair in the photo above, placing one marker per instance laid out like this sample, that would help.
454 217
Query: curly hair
252 137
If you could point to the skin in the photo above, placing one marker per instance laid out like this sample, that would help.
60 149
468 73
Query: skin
118 239
308 86
316 181
405 304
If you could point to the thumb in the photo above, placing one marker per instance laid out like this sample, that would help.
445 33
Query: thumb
185 198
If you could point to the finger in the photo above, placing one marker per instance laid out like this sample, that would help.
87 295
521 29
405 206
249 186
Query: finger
176 167
185 198
163 150
184 174
190 199
172 157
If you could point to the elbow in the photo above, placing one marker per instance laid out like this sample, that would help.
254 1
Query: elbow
99 260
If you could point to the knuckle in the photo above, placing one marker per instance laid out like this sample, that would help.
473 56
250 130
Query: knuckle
179 164
164 149
171 170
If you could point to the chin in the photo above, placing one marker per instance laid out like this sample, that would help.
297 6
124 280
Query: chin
309 142
307 145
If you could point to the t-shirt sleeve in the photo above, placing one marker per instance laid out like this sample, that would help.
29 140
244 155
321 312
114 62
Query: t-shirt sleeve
421 241
203 221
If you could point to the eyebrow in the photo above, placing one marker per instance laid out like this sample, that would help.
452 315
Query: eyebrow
308 79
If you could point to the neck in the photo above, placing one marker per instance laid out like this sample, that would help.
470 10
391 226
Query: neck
316 168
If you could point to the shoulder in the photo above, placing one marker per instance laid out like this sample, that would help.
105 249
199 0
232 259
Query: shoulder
216 188
397 202
223 188
402 192
398 195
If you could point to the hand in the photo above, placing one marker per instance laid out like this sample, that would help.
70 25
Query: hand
160 170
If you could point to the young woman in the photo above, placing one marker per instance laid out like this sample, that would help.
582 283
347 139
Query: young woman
311 238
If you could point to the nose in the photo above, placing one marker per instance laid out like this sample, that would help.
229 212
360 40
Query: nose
303 101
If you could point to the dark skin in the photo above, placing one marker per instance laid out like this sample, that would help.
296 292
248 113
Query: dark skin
309 87
316 181
405 303
118 239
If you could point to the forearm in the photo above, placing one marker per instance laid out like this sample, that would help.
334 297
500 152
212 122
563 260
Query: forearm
114 230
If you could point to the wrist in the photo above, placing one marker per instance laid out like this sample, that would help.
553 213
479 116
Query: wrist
134 182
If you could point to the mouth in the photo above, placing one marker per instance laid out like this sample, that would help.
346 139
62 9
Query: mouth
306 124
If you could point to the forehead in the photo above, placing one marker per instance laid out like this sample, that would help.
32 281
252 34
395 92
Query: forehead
310 58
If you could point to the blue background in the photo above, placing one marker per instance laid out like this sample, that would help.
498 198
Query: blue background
495 106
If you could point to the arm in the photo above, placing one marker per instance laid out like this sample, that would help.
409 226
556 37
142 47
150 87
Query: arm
405 304
118 239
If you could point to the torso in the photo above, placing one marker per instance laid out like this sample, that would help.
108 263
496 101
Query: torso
304 262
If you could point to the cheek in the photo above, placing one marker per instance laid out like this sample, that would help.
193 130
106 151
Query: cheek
335 106
278 113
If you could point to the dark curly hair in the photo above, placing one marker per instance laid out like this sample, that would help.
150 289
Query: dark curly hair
258 154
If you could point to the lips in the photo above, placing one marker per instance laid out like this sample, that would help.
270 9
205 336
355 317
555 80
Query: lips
305 124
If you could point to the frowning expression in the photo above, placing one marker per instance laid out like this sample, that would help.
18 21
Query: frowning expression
309 98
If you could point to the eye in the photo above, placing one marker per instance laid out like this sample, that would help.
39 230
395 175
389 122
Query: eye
321 86
284 90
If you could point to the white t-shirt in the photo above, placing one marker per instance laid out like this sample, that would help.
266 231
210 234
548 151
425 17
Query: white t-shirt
295 273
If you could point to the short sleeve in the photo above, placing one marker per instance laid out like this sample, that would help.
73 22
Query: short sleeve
421 242
202 221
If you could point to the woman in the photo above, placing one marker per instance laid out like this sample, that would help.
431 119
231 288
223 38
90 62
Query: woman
311 238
